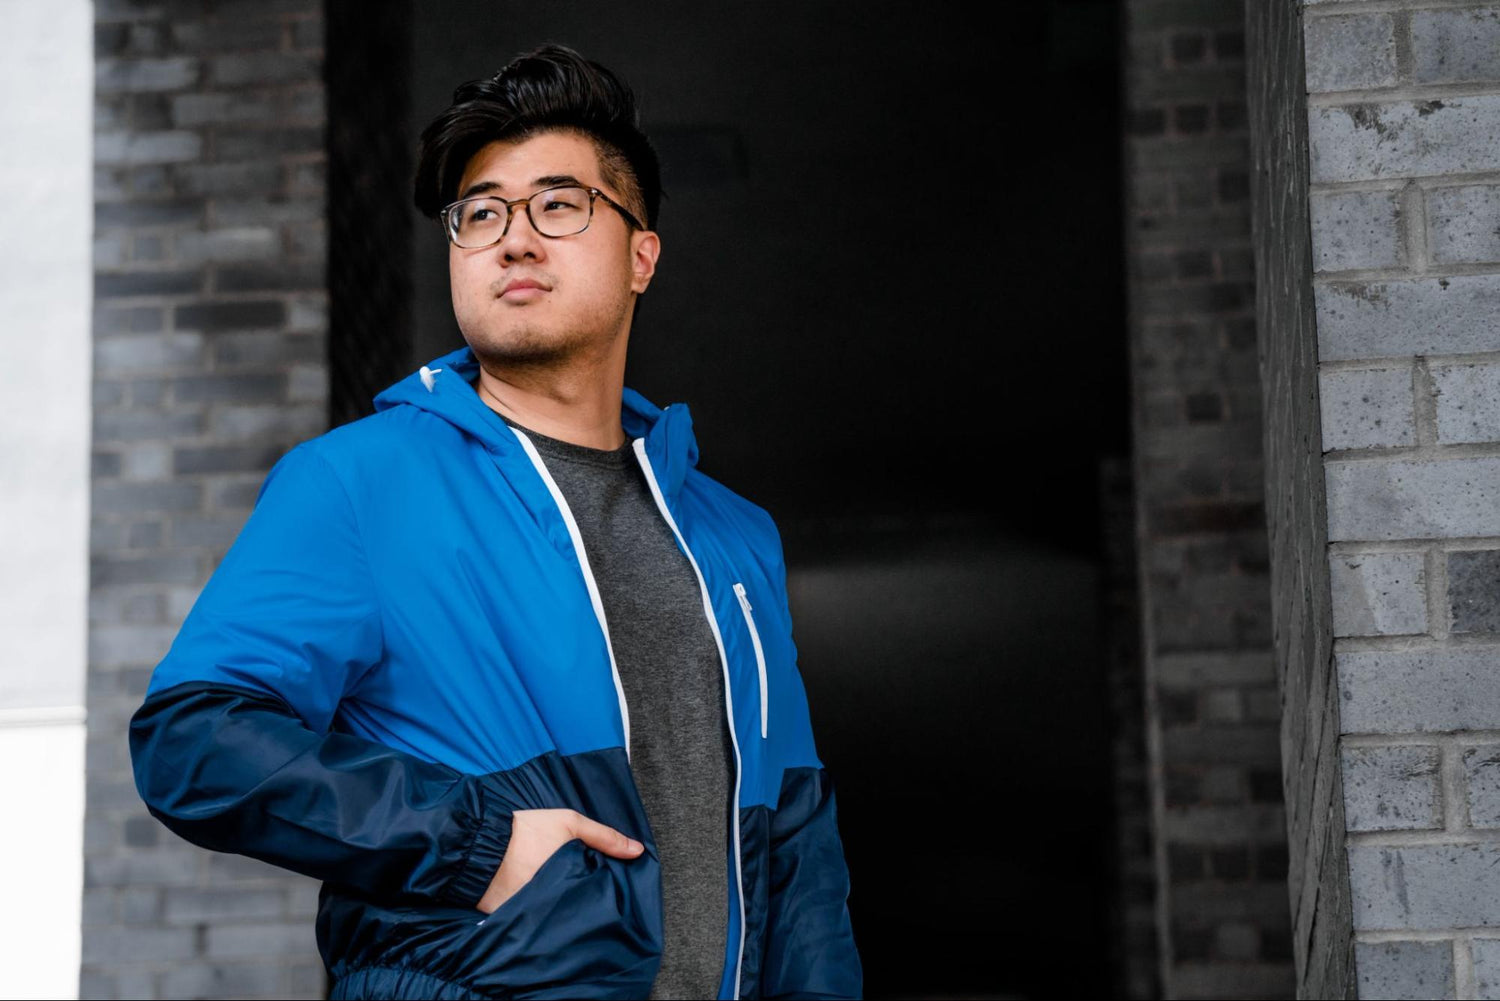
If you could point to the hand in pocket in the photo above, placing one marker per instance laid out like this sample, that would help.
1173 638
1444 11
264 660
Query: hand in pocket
535 835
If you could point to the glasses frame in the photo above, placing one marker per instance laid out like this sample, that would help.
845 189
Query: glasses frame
445 217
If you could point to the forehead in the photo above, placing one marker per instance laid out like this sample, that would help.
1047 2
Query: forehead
514 165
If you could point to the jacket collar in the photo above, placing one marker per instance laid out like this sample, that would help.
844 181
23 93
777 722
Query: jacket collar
444 386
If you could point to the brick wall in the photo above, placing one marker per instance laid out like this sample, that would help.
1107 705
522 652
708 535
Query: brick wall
209 363
1404 200
1296 512
1213 709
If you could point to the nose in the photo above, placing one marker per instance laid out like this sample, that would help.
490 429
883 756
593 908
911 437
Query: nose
521 240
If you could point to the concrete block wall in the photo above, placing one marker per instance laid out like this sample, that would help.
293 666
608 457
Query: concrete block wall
1404 196
209 363
1213 711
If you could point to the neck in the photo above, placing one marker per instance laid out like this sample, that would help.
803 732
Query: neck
581 407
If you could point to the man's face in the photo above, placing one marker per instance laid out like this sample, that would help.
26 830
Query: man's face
583 300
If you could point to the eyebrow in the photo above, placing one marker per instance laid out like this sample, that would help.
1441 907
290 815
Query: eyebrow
550 180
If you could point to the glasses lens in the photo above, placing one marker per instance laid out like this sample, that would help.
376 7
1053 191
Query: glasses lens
477 223
560 211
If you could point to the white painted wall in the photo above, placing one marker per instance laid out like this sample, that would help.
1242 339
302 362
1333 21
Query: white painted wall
46 219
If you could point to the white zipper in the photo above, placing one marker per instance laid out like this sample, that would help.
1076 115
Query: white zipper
588 575
708 607
760 653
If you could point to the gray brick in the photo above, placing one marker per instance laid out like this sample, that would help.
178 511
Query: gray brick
1474 591
307 383
1482 775
262 68
254 143
1378 594
1468 402
98 985
144 535
269 211
228 458
1455 46
1465 224
230 388
1397 499
1356 229
240 244
142 498
1486 954
1424 887
1349 52
212 35
172 864
114 647
167 568
1416 970
121 355
165 212
146 283
236 493
217 980
132 148
1450 135
119 944
134 75
275 277
117 426
1411 691
127 320
242 941
212 316
284 423
210 532
221 178
105 465
139 903
307 314
263 350
146 460
307 33
1391 788
1376 319
1220 743
193 905
1366 408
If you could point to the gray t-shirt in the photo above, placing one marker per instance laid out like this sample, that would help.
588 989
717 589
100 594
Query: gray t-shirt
669 667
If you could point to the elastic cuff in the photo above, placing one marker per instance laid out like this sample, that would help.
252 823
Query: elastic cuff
485 852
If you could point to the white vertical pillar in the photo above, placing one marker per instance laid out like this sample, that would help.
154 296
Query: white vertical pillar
46 216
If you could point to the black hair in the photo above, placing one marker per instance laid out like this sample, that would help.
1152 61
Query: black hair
551 87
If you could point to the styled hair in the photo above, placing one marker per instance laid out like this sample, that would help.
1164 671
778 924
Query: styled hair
549 88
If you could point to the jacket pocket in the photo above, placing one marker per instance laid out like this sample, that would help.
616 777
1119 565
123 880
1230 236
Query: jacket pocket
760 655
576 928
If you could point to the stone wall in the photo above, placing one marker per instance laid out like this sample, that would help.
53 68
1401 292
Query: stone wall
1296 513
1404 200
209 363
1212 705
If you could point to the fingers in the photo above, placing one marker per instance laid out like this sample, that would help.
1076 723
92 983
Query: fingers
606 839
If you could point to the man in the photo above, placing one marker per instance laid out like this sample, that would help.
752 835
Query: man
497 663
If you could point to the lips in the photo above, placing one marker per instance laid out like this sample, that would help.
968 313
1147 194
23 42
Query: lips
519 284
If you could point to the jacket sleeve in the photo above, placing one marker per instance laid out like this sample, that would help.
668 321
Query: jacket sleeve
232 748
810 950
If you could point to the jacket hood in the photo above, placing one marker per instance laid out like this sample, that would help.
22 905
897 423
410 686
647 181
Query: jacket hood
445 387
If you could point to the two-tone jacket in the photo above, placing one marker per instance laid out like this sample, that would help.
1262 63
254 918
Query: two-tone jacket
405 644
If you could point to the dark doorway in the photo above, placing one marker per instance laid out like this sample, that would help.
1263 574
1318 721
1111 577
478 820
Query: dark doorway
891 293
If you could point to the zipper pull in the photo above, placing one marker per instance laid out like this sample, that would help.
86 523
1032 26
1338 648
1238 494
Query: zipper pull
739 589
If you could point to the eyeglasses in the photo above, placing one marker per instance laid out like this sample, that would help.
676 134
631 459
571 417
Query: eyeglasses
483 221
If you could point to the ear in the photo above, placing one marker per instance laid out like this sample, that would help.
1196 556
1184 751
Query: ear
645 248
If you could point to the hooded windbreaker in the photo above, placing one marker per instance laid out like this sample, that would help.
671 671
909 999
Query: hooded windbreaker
405 645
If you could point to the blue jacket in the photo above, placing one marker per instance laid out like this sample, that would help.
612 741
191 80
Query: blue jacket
405 644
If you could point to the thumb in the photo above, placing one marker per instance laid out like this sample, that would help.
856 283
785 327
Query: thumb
606 838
